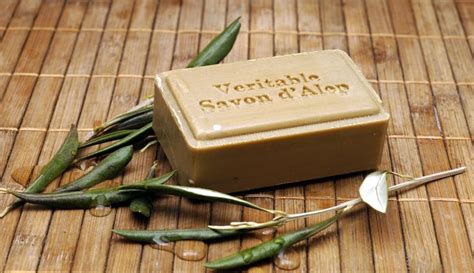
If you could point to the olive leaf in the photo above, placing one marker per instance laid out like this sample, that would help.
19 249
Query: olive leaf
143 205
374 191
197 193
132 138
139 109
162 179
172 235
144 185
219 47
60 162
135 122
78 199
106 138
270 248
108 168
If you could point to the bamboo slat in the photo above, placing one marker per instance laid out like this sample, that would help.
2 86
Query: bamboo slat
34 223
323 250
94 238
12 42
10 48
260 18
433 159
353 230
466 11
27 239
416 217
386 230
8 7
121 255
285 19
224 213
454 57
19 88
68 110
194 15
82 62
160 58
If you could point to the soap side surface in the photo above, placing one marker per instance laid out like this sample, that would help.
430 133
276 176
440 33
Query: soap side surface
281 153
290 159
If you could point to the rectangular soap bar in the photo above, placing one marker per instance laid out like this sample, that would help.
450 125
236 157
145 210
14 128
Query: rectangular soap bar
258 123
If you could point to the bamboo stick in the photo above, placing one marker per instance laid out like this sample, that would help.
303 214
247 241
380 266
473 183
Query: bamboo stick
416 218
160 58
40 108
261 18
323 249
61 241
19 155
466 11
285 19
12 42
225 213
123 256
453 58
8 7
356 231
385 229
192 214
93 243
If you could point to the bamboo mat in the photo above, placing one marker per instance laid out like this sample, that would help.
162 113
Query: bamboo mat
84 62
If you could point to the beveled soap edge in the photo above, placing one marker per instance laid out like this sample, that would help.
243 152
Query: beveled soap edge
197 144
198 85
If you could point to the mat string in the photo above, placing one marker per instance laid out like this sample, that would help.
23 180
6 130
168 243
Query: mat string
253 31
15 129
46 75
43 129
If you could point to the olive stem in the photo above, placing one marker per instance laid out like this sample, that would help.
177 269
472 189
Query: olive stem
412 183
346 206
148 145
425 179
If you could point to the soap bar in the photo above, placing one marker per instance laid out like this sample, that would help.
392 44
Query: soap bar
258 123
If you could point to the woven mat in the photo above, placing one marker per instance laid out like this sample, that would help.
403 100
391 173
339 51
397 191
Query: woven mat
83 62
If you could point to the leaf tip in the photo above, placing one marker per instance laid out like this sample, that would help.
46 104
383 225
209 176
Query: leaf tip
212 265
118 232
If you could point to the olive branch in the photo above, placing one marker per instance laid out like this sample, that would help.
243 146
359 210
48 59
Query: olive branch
373 191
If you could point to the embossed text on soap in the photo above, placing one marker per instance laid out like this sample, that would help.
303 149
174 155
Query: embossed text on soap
287 88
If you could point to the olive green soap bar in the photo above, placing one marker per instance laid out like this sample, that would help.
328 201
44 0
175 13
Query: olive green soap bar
259 123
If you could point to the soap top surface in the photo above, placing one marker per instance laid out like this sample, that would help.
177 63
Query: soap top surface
269 94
